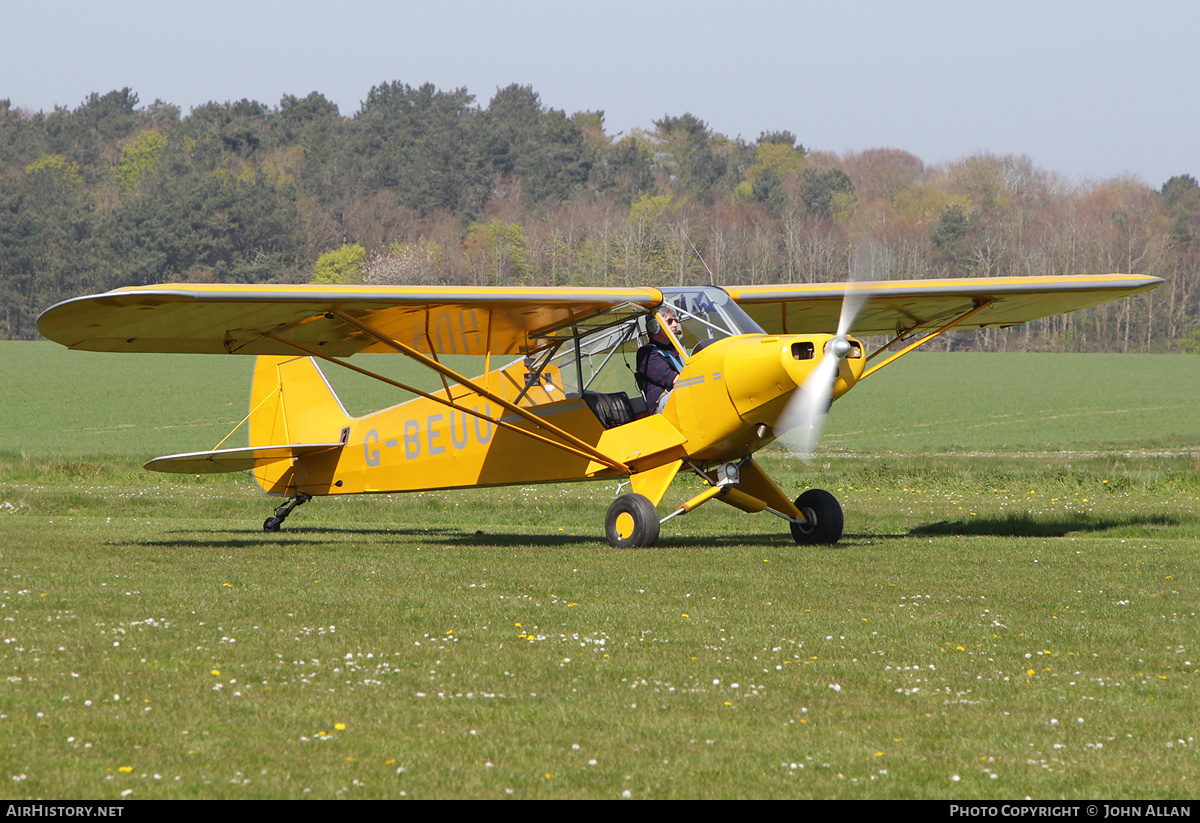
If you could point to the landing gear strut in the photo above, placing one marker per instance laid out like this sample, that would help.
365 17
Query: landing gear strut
272 524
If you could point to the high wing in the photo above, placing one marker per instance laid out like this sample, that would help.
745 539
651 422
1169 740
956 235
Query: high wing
894 307
345 320
336 321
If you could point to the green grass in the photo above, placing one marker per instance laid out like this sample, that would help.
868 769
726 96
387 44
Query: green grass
995 626
959 402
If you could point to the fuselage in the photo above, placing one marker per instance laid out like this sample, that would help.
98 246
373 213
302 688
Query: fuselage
725 405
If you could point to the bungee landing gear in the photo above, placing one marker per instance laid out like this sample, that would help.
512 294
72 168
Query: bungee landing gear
272 523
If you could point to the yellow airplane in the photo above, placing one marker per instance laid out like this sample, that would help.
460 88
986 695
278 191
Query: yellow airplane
757 361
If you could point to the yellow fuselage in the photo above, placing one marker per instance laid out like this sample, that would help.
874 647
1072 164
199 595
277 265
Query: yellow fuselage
725 396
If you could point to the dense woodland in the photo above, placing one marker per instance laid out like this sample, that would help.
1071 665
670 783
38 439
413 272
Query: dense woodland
423 186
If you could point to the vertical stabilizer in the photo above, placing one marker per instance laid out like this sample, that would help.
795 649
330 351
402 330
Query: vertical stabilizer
291 403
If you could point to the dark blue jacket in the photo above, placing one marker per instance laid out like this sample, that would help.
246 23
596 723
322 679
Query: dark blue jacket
658 365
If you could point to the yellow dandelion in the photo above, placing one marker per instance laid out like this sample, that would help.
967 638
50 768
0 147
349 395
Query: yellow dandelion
341 727
125 769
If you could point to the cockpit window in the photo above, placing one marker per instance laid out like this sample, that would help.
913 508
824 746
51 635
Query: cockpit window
604 360
707 314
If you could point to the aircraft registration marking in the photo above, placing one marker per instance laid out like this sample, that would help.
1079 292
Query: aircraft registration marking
433 441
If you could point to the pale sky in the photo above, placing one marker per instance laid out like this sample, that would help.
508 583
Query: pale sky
1091 90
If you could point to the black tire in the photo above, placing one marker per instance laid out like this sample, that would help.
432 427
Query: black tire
825 518
271 524
632 522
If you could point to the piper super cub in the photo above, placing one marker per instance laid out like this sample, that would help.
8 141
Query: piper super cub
757 361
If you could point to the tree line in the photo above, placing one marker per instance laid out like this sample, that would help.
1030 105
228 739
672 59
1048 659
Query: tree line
424 186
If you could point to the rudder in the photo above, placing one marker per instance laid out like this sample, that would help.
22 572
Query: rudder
291 403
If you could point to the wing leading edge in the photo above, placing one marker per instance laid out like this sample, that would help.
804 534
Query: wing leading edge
894 306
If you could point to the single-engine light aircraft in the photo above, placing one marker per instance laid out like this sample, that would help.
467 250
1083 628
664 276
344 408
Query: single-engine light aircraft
757 361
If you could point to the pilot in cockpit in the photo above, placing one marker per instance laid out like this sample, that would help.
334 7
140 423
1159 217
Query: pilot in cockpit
658 362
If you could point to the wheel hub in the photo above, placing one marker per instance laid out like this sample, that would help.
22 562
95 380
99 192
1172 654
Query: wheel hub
625 525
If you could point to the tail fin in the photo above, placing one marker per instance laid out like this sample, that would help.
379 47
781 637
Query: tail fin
290 402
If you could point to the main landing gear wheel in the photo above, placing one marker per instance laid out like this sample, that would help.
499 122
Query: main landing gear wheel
632 522
824 515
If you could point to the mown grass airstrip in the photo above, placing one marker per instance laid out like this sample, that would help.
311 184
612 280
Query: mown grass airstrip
1015 615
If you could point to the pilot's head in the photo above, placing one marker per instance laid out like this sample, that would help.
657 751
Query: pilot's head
670 321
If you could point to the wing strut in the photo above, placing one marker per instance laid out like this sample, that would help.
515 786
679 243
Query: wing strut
926 338
575 445
446 371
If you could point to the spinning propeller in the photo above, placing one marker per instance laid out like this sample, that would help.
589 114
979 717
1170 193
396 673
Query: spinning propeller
801 422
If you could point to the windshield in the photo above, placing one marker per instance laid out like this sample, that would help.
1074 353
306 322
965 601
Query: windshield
706 314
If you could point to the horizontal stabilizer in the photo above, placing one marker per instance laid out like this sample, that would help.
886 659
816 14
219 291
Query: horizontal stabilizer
235 460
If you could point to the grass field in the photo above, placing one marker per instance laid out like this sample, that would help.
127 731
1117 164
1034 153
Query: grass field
1012 613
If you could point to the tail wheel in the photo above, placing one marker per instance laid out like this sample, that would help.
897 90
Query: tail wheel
632 522
824 515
